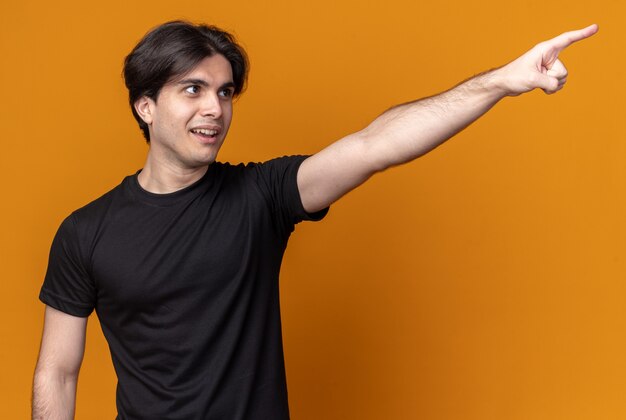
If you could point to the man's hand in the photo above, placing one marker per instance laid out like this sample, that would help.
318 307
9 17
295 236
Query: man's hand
540 67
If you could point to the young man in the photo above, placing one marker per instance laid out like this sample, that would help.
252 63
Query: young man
181 260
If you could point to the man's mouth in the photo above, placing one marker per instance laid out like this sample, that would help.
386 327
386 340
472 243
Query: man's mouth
205 132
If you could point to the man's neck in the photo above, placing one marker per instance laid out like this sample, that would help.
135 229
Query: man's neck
162 177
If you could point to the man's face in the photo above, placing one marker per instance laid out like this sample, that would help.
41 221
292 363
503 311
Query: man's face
191 116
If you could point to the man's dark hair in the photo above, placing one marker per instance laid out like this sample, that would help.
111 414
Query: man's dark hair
173 49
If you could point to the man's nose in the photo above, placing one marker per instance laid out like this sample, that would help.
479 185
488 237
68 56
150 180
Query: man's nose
211 106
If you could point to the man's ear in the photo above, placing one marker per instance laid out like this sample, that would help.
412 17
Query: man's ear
144 107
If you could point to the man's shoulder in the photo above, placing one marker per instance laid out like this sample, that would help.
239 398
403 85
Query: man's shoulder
98 207
255 167
279 160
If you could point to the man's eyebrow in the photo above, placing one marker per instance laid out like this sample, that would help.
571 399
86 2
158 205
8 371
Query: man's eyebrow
204 83
228 85
193 82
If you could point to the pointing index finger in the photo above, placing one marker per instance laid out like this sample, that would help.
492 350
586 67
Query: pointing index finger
568 38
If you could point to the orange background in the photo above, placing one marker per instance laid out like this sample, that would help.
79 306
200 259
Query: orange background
484 281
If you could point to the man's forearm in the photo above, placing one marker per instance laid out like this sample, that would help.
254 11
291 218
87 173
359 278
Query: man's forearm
54 396
410 130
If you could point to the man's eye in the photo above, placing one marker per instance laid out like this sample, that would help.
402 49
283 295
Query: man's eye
226 93
192 89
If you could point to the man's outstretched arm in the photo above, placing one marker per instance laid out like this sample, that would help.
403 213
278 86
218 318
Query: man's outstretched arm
407 131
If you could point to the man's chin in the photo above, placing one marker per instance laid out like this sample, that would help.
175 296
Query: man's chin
205 160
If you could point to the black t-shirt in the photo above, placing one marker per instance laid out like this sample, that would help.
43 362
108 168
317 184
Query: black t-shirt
186 289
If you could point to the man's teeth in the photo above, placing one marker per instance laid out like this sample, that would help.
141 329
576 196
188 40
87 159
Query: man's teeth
204 131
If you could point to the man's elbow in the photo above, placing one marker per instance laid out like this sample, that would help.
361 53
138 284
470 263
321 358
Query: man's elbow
51 374
54 393
378 153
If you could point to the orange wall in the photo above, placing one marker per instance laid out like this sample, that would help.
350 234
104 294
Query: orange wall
484 281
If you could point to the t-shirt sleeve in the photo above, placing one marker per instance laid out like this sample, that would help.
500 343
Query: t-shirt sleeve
279 179
68 286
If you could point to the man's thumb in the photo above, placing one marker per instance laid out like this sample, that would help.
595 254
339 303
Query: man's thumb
549 84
